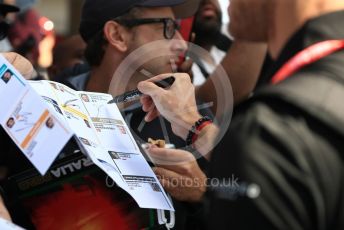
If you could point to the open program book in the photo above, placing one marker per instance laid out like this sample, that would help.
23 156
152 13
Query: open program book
41 117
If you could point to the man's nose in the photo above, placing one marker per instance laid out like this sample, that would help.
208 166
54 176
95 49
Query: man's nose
179 45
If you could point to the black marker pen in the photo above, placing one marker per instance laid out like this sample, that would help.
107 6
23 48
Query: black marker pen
135 94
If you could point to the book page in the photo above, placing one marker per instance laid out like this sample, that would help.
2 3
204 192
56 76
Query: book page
73 113
6 225
122 152
28 120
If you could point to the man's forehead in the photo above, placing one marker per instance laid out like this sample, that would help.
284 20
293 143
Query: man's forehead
156 12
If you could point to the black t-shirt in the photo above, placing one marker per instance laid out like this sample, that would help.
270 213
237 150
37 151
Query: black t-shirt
284 151
296 162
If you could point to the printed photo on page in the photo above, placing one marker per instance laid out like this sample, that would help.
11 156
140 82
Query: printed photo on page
28 120
12 87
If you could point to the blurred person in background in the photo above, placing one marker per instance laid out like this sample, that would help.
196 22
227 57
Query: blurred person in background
25 33
207 28
241 60
68 58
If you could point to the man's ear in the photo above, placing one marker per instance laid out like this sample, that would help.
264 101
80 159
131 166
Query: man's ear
116 35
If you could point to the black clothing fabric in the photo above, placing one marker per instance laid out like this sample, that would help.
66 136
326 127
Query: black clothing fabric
286 142
264 78
75 70
223 43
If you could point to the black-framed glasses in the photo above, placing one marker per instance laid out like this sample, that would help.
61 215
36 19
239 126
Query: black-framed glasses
170 25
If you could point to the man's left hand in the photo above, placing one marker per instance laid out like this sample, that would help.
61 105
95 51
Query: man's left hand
179 173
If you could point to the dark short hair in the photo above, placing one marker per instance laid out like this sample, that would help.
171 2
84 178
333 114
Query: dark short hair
95 48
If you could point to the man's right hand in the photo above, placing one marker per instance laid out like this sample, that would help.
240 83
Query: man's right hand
177 104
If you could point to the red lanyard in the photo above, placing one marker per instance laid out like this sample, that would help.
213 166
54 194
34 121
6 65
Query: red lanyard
306 57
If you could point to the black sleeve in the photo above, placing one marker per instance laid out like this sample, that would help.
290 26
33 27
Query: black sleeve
4 143
280 173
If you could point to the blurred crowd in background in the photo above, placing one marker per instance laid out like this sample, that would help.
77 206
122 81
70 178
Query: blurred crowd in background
34 36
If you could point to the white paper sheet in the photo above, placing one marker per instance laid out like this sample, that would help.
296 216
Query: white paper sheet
123 151
6 225
28 120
